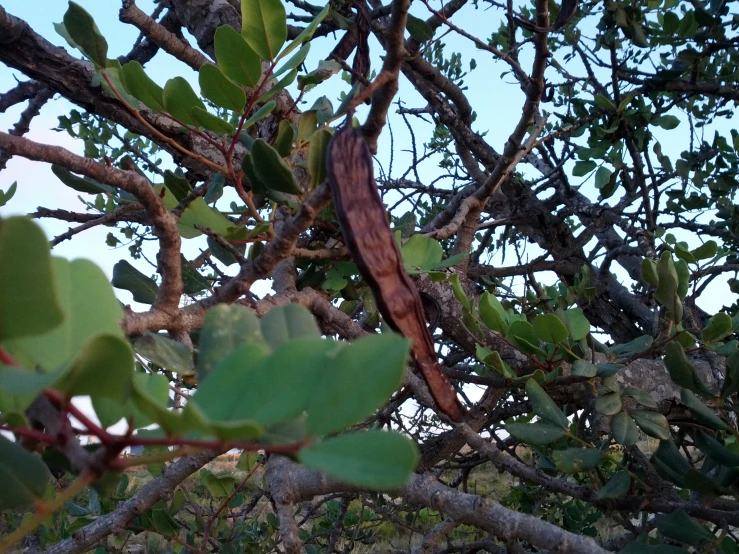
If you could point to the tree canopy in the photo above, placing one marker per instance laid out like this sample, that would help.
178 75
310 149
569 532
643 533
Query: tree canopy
560 193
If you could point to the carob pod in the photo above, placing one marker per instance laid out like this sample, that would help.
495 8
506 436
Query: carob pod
368 237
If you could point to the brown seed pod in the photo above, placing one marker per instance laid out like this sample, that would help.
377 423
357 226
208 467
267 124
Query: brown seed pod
368 237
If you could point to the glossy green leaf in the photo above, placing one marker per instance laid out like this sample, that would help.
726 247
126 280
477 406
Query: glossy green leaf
576 460
653 424
536 434
284 323
225 328
138 84
317 156
29 302
220 90
23 476
180 99
549 328
356 381
702 413
624 429
718 328
236 58
543 405
372 459
210 122
165 352
82 29
90 308
583 368
144 289
271 169
307 32
264 26
680 526
616 487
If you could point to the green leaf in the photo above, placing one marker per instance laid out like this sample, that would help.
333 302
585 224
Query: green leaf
608 404
284 323
6 196
493 313
306 33
264 26
639 344
29 303
680 526
702 413
317 156
576 460
717 451
536 434
180 99
624 429
294 61
236 58
272 170
164 523
225 328
577 324
243 386
90 308
280 85
326 69
583 168
549 328
667 122
421 252
493 359
219 487
583 368
19 387
192 281
616 487
602 177
718 328
165 352
681 371
283 143
653 424
220 90
307 125
419 30
144 289
139 85
80 184
543 405
667 289
705 251
649 272
177 184
210 122
373 459
151 397
103 367
260 114
84 32
356 381
606 370
23 476
641 396
521 334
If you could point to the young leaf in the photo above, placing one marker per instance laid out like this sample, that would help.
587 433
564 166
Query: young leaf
29 303
220 90
138 84
144 289
373 459
180 99
84 32
272 170
236 58
264 26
